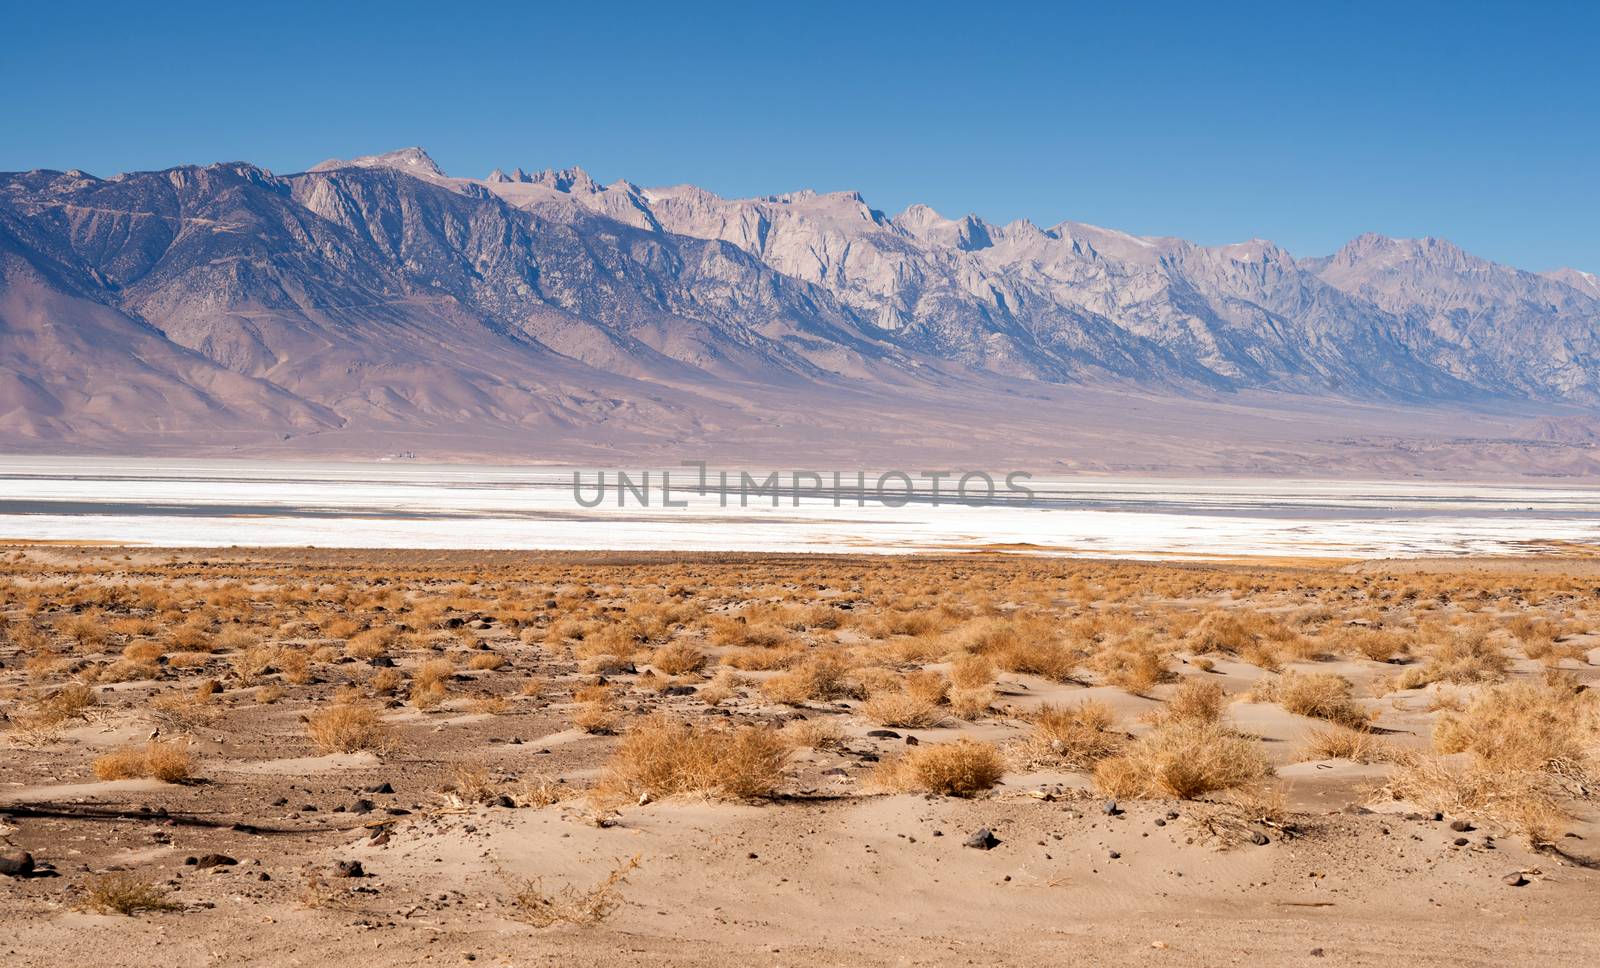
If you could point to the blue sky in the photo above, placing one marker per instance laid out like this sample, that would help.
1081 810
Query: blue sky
1216 122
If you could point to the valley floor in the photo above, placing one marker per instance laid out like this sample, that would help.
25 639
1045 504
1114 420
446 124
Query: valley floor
733 759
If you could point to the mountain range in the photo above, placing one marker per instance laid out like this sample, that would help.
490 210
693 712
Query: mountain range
378 304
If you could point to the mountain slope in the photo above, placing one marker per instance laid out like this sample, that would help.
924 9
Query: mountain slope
381 302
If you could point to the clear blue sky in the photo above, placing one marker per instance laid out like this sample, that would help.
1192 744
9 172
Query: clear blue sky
1306 124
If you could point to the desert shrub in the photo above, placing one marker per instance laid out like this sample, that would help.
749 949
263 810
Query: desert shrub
927 686
738 634
971 672
1320 695
127 894
1464 657
166 760
972 702
1039 657
428 682
1524 727
1075 736
370 644
817 734
596 717
1336 742
49 711
677 659
820 677
1184 760
1134 667
1196 701
964 768
532 904
900 708
87 631
1219 631
347 728
662 758
1526 800
488 661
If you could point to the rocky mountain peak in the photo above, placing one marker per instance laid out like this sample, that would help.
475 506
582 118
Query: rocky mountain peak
413 161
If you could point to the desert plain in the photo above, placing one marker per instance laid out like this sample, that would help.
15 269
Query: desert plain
306 757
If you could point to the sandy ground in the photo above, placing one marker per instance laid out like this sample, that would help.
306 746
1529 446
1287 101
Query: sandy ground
825 872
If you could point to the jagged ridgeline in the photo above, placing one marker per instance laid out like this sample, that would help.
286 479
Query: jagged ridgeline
229 303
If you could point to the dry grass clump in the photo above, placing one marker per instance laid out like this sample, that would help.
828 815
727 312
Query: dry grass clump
1524 727
736 633
1219 631
964 768
1195 701
127 894
1039 657
821 677
972 703
817 734
347 728
1135 667
1530 747
1184 760
1075 736
1336 742
1528 801
48 712
1320 695
971 672
902 709
661 758
166 760
678 659
597 717
531 904
723 687
488 661
428 682
1460 658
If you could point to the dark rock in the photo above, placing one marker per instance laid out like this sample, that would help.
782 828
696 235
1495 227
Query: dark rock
1114 855
381 662
883 734
911 741
1317 952
380 788
1461 841
504 801
16 863
1461 826
1514 879
982 840
678 691
1259 839
362 806
1110 808
214 860
348 868
1161 821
